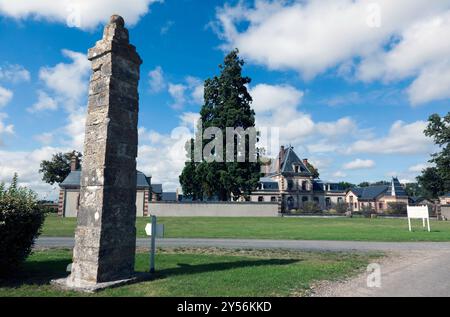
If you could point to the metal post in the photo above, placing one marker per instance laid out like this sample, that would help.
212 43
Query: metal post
153 245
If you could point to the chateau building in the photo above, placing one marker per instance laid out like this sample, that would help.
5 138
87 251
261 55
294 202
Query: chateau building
288 180
377 197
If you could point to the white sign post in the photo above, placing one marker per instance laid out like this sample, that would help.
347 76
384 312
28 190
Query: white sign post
155 231
419 212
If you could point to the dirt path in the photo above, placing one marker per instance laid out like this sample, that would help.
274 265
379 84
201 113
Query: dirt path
403 274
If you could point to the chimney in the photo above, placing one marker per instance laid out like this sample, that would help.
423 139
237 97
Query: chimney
305 162
74 163
280 158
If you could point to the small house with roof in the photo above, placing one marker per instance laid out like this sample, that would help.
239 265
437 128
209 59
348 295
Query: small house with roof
376 197
69 195
288 181
445 200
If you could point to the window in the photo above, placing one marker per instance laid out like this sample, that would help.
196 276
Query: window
273 199
340 200
296 168
356 205
380 205
304 199
260 198
304 185
328 201
290 185
316 199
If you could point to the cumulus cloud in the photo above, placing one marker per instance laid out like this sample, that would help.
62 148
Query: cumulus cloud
85 14
45 102
359 164
68 81
5 96
5 128
382 40
403 138
279 106
14 73
156 80
189 92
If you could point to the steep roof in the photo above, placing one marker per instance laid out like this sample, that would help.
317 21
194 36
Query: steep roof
396 189
369 193
74 180
287 165
157 188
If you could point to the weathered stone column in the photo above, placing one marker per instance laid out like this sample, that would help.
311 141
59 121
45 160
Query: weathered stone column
105 238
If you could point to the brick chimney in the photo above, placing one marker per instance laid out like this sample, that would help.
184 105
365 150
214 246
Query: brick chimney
305 162
74 163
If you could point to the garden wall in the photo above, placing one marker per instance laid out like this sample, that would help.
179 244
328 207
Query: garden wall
216 209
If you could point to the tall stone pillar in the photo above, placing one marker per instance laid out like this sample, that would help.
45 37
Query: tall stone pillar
105 238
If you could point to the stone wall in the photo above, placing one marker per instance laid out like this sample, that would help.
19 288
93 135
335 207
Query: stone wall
228 209
445 212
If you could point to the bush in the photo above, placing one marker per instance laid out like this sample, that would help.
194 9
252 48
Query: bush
21 219
340 208
367 211
397 208
310 207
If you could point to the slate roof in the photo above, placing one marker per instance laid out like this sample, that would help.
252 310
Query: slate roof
74 180
396 189
287 166
369 193
268 184
170 196
157 188
334 187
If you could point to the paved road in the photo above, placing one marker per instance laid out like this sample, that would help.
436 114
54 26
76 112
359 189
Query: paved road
271 244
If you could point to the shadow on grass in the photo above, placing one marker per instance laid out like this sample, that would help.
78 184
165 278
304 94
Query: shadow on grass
40 273
187 269
37 273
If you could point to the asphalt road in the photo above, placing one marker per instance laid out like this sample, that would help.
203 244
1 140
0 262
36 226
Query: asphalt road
271 244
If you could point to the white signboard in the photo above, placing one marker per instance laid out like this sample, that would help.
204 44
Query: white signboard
419 212
159 230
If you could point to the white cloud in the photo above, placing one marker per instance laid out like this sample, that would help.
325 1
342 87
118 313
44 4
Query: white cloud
14 73
166 27
5 96
68 81
45 102
418 168
86 14
191 92
5 128
45 138
277 106
313 37
156 80
403 138
339 174
359 164
177 92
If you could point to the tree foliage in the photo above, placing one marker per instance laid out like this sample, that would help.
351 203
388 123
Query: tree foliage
227 104
58 168
435 180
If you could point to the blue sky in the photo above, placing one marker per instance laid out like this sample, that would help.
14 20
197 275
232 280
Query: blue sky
350 84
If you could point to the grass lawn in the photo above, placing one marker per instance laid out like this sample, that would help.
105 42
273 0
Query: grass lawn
356 229
200 272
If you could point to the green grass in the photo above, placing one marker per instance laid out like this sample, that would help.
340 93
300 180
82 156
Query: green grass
200 272
356 229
